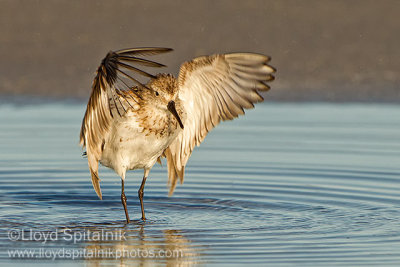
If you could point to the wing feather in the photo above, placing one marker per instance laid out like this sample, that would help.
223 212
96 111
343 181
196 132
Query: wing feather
214 88
109 101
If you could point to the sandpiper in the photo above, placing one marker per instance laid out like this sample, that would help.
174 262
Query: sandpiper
131 125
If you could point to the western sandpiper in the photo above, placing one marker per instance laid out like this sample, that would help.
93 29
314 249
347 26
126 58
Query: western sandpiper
131 125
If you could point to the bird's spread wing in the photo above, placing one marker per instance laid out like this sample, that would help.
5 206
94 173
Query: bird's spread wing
214 88
108 100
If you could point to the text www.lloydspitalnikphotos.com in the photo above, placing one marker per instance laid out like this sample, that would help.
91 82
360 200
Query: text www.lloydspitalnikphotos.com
89 252
93 253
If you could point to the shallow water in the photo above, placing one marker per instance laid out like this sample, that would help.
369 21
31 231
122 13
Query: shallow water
288 184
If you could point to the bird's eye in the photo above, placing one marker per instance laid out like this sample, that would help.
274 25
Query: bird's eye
157 94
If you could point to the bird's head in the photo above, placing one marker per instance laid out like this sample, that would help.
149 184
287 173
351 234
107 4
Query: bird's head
164 94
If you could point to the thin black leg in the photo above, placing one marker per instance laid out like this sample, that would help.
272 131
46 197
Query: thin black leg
123 199
140 194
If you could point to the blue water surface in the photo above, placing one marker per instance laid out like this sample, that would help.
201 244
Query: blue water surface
286 185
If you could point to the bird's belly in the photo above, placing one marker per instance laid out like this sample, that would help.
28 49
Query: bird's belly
129 148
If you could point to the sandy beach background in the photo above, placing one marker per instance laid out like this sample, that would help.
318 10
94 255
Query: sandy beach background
323 50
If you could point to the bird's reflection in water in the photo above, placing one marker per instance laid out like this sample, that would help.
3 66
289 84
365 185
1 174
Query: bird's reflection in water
139 247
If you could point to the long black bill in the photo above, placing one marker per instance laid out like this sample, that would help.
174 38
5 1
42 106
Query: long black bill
172 109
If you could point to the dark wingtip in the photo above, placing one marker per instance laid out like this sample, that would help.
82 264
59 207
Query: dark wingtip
144 50
109 65
108 68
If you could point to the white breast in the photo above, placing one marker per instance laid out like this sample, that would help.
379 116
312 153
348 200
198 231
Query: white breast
130 147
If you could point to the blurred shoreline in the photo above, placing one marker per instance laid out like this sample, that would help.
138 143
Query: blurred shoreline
37 100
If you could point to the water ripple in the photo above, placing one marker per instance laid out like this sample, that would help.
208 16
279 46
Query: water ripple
283 192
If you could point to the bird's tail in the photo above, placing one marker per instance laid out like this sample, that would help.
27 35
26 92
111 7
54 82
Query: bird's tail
174 173
96 184
94 171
